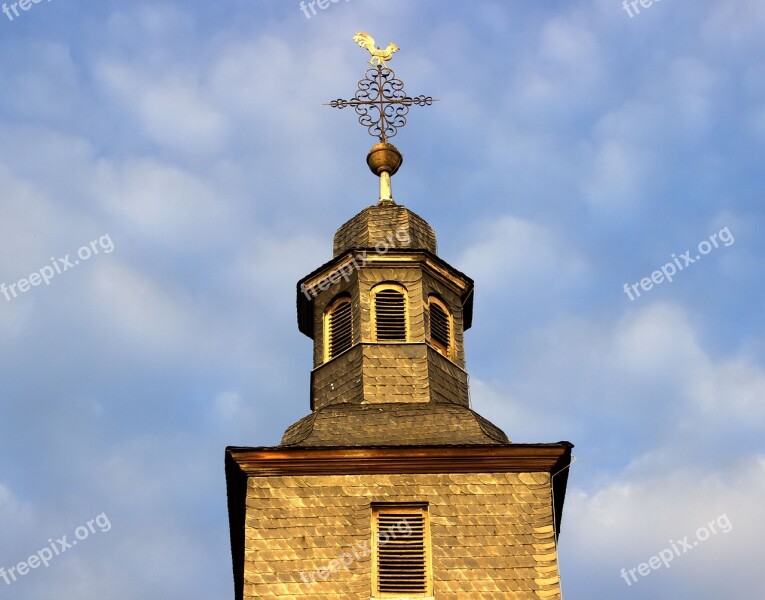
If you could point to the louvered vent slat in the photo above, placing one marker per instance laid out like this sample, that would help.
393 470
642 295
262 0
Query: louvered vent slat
401 553
439 326
340 328
390 316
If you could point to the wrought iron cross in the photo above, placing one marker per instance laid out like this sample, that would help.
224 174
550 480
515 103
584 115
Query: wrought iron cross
382 106
380 100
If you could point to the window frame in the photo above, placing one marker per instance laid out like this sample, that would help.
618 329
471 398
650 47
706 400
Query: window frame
397 287
447 352
327 324
404 508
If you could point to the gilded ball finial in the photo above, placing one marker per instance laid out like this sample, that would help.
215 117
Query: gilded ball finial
384 157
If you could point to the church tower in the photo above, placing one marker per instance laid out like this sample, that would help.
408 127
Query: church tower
392 487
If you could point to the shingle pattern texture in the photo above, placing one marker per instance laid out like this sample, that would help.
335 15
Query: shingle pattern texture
374 373
379 223
491 534
399 424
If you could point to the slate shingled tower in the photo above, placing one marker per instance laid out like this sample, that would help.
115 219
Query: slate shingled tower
393 487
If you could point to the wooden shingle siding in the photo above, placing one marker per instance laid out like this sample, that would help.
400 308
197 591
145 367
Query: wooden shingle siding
379 223
400 424
492 534
372 373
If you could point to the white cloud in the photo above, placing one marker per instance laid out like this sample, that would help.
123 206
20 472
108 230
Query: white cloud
236 415
657 341
646 375
46 83
14 515
169 205
735 23
630 519
732 391
172 110
617 174
155 319
517 253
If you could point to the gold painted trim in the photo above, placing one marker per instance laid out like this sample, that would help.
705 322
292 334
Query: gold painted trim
451 348
397 287
326 323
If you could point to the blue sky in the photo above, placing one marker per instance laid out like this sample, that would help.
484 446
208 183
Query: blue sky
574 149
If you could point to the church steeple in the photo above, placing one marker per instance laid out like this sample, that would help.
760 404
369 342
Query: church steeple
391 458
386 314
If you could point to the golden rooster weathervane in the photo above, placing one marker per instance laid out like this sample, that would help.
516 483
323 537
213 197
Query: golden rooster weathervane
367 41
382 107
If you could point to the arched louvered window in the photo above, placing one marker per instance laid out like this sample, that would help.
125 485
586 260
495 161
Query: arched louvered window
440 326
390 313
401 555
338 327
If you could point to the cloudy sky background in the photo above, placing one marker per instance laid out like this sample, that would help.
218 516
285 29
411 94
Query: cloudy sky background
574 149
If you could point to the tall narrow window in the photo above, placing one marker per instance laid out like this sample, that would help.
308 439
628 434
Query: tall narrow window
401 557
390 314
338 328
440 326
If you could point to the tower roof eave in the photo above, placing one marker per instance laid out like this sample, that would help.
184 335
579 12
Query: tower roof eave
392 424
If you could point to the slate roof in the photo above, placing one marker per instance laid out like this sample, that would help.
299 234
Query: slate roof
399 423
377 224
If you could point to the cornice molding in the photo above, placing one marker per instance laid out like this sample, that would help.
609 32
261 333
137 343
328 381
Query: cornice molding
513 458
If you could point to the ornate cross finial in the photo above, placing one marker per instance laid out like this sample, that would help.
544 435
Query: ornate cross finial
382 107
380 100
